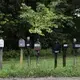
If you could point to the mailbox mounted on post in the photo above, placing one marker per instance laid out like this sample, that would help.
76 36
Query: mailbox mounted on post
37 48
28 43
28 46
1 51
64 49
21 43
65 44
75 47
56 49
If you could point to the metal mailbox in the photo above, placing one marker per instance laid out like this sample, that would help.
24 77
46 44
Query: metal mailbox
1 43
56 51
21 43
65 45
77 45
37 46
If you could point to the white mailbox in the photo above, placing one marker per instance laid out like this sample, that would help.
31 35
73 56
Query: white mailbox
1 43
21 43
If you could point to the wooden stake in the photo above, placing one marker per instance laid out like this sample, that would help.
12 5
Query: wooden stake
21 56
1 58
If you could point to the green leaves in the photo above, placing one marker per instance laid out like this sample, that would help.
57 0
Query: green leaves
43 18
39 19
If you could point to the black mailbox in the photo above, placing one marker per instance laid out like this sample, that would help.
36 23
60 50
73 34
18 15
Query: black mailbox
56 47
65 45
28 43
76 45
56 51
64 49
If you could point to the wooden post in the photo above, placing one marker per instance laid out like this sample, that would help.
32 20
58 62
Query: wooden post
21 56
21 45
28 60
37 57
55 61
1 58
64 58
74 61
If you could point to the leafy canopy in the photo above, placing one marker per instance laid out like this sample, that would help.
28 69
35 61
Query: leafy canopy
43 19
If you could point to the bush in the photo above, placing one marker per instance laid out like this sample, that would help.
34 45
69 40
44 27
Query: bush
44 52
16 53
11 54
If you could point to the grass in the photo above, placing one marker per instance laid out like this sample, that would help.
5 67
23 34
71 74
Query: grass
45 67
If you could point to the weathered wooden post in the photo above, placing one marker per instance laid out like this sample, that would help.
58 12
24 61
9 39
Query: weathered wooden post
28 45
75 47
1 51
37 48
56 49
64 49
21 45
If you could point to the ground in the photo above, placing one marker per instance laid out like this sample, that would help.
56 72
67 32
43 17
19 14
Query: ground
46 78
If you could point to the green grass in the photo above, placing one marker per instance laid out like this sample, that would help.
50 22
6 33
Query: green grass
45 67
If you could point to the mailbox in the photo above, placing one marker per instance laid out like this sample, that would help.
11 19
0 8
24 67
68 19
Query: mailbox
28 43
37 46
56 47
64 49
56 51
1 43
65 45
77 46
21 43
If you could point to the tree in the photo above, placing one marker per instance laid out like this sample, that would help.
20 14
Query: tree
43 19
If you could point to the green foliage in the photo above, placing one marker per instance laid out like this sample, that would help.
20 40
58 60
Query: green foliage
11 54
39 20
43 19
16 53
49 14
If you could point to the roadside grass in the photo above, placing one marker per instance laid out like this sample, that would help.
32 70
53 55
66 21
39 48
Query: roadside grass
45 67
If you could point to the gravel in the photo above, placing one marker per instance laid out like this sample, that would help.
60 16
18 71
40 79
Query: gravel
45 78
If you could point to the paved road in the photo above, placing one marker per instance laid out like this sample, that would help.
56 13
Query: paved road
48 78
